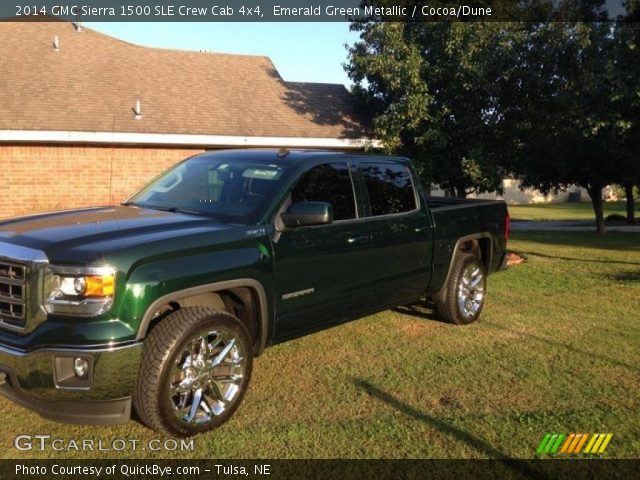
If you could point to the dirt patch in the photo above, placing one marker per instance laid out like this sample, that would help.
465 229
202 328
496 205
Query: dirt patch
514 259
415 328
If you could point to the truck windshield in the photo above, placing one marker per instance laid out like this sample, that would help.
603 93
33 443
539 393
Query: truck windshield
229 190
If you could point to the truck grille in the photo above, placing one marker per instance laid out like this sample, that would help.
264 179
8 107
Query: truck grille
12 293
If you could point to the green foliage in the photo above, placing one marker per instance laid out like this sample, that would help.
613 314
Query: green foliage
554 103
626 100
577 117
562 112
432 89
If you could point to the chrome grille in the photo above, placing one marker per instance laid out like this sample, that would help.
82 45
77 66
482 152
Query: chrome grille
12 293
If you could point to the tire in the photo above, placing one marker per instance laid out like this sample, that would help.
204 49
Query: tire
179 391
457 302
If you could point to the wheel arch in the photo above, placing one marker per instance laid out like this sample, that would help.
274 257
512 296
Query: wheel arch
480 243
216 295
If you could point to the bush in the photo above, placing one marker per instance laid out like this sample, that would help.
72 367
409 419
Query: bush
615 217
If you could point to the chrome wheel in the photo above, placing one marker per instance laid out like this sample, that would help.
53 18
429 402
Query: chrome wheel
471 290
207 376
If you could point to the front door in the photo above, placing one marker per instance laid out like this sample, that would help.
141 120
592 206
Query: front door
318 274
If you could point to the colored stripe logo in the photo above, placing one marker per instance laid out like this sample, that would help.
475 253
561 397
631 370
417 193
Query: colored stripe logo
574 443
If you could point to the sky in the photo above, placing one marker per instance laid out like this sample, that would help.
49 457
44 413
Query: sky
302 52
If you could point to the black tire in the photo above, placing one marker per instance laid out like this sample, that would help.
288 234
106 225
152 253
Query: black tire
448 302
176 338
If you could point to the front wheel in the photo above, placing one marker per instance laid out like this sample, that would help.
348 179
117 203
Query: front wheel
195 369
461 300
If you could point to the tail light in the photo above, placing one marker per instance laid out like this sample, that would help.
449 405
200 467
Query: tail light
507 226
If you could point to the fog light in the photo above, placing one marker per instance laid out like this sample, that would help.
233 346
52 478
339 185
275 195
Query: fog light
81 367
73 372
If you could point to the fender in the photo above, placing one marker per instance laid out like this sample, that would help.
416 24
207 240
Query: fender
263 319
457 247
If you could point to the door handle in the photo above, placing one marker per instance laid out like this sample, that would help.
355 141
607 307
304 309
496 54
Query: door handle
420 229
357 240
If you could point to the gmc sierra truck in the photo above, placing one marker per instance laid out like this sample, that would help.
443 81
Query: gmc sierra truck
161 303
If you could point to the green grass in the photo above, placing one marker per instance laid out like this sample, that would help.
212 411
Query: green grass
564 211
557 350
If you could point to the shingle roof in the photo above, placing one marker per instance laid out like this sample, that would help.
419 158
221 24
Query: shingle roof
92 83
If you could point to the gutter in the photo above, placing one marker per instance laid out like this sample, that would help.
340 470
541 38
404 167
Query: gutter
185 140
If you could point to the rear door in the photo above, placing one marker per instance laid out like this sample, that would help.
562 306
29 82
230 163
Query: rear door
318 269
399 262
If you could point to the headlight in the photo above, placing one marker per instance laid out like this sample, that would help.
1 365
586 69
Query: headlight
81 290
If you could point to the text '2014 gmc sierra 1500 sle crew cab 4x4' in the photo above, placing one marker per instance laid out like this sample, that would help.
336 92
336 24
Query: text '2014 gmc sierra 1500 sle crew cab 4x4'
162 303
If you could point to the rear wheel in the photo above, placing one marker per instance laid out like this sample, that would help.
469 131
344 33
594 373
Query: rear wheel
462 298
196 367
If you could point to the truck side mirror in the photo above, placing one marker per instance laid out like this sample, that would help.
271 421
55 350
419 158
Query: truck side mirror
302 214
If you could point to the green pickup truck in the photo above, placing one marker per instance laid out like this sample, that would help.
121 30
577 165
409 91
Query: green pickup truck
161 303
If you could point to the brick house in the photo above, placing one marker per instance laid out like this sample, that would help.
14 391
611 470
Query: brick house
86 119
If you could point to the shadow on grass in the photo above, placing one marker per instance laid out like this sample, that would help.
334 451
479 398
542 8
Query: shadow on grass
421 309
625 277
567 347
467 438
425 311
573 259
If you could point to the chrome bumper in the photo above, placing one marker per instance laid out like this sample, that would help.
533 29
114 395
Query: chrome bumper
33 379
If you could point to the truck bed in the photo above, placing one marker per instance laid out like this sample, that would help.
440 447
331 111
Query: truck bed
456 218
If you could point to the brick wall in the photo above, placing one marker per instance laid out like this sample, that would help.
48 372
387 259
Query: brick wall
37 178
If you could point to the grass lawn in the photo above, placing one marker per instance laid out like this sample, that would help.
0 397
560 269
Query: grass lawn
564 211
557 350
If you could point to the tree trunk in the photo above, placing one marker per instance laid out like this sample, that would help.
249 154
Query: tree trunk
631 208
595 192
461 192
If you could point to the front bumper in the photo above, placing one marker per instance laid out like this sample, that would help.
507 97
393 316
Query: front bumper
37 380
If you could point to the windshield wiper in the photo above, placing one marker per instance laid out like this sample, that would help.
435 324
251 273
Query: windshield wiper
166 208
150 207
189 212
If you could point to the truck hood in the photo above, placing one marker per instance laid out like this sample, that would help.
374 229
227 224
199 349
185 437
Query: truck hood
80 236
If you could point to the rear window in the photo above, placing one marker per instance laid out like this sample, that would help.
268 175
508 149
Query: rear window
390 188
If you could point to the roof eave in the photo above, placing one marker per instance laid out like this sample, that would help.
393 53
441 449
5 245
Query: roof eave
182 140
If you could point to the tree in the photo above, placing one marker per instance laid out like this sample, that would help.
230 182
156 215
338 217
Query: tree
627 102
561 109
472 102
581 123
432 89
